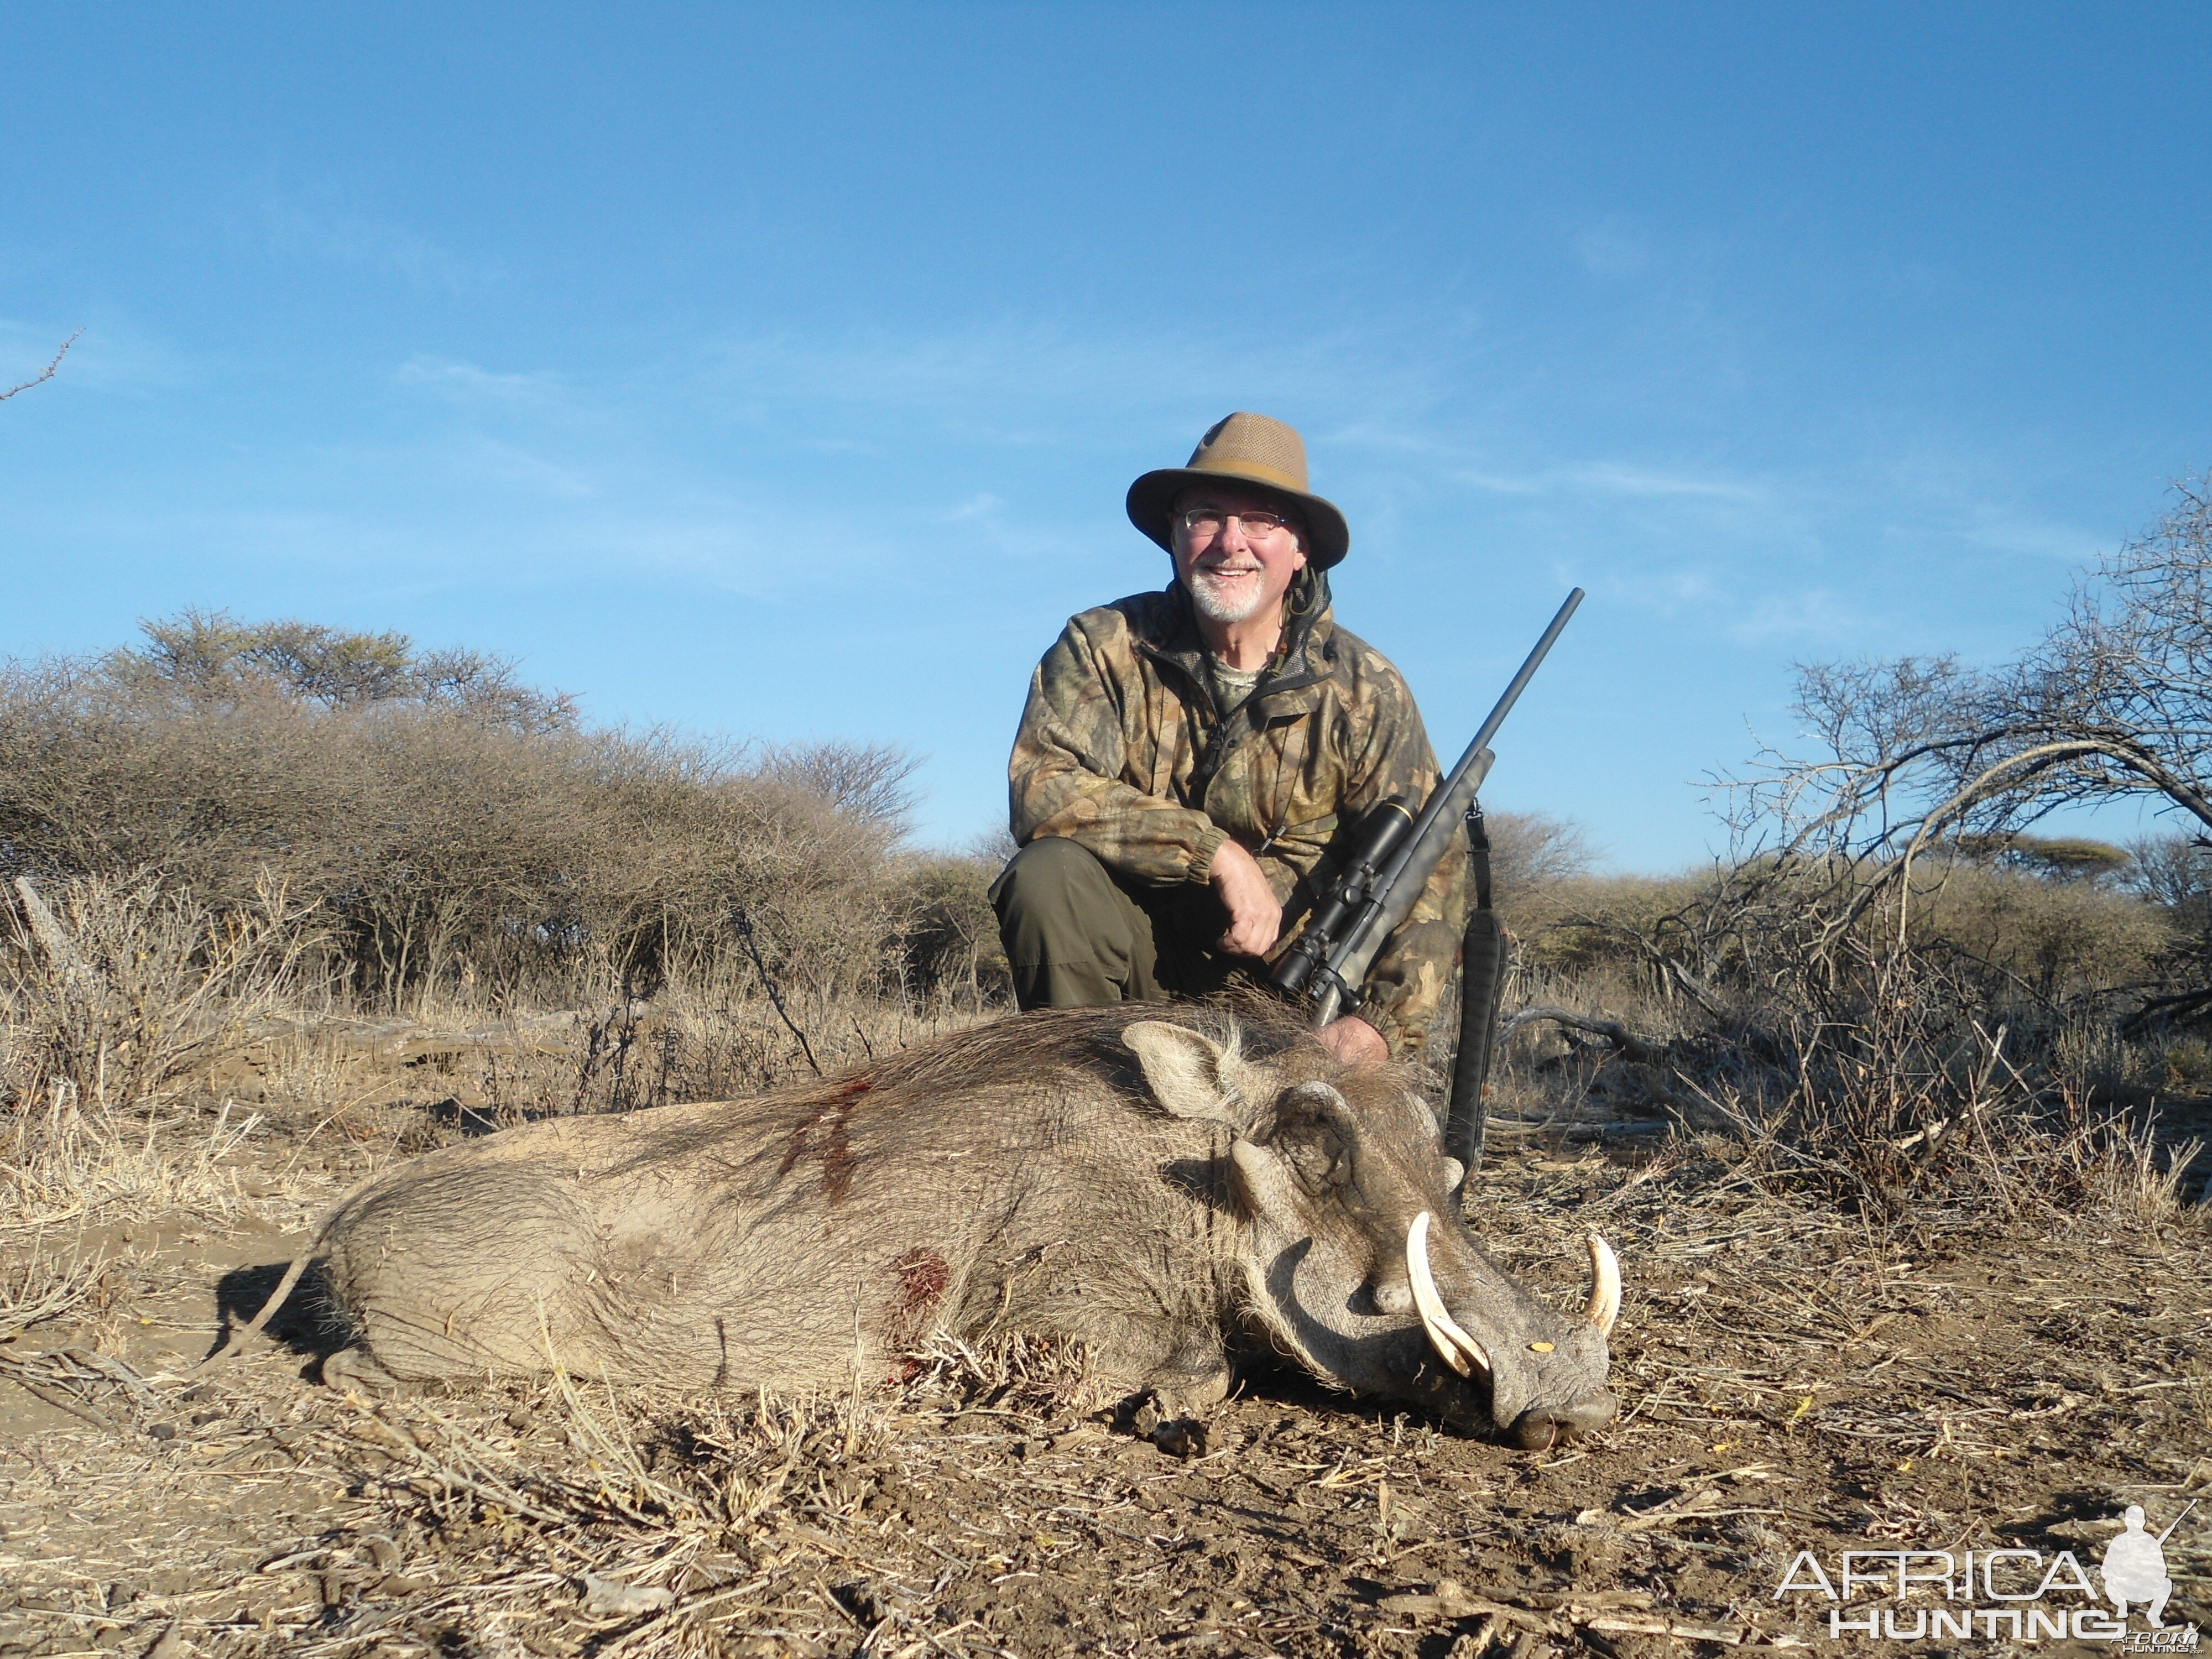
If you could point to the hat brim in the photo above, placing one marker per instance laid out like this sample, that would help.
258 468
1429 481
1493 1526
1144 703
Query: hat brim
1152 504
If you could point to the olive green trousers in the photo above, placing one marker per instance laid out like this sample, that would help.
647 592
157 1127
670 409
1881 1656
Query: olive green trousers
1078 937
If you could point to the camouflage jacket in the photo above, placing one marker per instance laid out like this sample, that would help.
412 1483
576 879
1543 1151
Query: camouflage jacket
1122 750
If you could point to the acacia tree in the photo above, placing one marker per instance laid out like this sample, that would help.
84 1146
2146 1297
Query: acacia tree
2122 687
1913 753
1844 1023
212 654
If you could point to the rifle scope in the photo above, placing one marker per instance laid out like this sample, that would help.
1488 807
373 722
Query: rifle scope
1377 892
1382 833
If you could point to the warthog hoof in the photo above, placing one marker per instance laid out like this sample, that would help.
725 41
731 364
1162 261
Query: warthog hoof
355 1369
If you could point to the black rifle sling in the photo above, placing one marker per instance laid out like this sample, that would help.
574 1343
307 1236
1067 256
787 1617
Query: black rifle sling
1477 854
1482 980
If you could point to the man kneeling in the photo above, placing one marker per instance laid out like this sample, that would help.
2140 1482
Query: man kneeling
1191 762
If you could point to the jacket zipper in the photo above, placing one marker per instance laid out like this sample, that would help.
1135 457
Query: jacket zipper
1219 745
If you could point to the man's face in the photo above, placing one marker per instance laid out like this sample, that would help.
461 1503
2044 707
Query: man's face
1232 572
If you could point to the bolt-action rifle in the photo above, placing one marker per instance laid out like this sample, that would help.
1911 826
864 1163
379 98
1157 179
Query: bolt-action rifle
2177 1521
1392 855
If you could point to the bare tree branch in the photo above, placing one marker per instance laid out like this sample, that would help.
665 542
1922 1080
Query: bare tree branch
1927 756
1641 1050
49 371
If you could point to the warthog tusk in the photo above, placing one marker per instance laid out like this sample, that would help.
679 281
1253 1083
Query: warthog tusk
1460 1351
1605 1286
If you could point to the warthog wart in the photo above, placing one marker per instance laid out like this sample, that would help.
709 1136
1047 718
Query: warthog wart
1172 1188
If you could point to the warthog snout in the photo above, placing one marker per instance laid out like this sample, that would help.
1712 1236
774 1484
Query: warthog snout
1351 1255
1562 1365
1541 1427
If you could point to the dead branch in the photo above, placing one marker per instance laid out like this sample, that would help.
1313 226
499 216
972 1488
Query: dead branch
767 983
1632 1047
48 373
53 938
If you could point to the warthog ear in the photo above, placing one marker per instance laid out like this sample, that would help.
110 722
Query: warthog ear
1188 1073
1314 1134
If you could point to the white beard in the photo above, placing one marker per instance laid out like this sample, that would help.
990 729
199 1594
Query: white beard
1219 607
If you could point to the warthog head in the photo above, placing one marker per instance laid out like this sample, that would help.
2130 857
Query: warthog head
1356 1261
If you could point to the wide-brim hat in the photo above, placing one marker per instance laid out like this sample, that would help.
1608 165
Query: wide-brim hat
1247 449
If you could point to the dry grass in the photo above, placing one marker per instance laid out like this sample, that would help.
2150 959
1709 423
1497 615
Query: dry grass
1792 1376
1836 1332
1962 1041
116 998
115 990
2029 934
1901 1241
38 1286
146 1041
70 1161
1894 1119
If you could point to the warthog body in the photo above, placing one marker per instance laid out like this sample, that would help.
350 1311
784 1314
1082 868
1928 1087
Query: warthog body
1161 1186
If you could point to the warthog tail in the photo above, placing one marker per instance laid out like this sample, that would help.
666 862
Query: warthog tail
247 1332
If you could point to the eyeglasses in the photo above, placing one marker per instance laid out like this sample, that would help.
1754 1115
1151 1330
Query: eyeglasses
1207 522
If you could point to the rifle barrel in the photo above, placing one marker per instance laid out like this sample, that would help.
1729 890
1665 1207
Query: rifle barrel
1387 906
1482 737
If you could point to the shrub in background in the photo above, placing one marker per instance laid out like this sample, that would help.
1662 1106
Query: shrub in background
454 830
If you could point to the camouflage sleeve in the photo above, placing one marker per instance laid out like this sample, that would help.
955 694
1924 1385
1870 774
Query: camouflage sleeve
1406 983
1066 776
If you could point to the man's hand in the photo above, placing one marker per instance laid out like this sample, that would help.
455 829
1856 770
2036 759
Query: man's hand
1255 916
1354 1042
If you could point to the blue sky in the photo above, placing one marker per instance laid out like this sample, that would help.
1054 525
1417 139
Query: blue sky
779 371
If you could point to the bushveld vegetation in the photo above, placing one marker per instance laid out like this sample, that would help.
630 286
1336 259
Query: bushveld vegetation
450 831
1866 1105
230 832
1893 985
233 821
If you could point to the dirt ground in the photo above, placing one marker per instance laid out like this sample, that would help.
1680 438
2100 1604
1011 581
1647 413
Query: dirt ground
2005 1376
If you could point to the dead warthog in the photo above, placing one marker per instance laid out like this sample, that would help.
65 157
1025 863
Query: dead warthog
1167 1187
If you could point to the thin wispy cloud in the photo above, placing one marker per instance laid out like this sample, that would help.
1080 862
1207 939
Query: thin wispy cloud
467 383
344 236
1612 478
1028 382
976 506
1616 478
1948 492
1664 592
2002 530
757 551
1612 248
1816 615
491 461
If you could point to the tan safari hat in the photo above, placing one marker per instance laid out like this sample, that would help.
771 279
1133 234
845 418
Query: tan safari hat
1252 449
